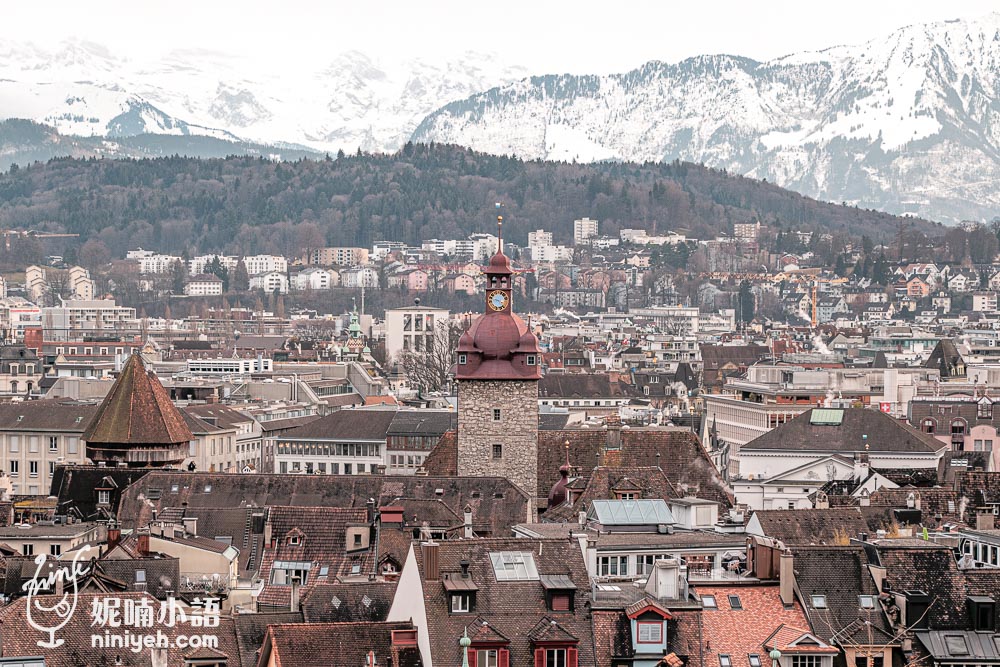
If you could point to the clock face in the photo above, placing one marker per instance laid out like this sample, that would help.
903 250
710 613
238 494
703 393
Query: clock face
497 300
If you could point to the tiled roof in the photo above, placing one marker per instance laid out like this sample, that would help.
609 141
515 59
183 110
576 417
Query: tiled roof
347 425
859 425
841 575
738 633
582 385
335 602
251 630
651 482
513 609
322 533
817 526
46 415
325 644
137 410
496 503
918 565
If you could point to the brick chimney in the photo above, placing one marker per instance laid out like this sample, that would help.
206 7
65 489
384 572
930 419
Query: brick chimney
114 537
432 567
142 544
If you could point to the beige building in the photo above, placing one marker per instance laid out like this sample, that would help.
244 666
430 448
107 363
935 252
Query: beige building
36 539
342 256
35 436
411 328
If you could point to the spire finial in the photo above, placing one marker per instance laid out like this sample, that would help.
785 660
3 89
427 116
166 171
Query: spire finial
499 207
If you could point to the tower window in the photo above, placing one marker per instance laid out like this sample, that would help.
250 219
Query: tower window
496 414
463 359
498 451
530 360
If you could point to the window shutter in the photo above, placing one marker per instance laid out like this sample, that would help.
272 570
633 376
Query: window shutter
503 658
472 657
539 657
571 657
560 602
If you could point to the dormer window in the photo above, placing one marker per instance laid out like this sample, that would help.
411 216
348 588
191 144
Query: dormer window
294 540
463 359
461 603
650 632
531 360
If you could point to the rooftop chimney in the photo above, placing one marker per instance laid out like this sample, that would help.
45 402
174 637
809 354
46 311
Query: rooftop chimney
786 579
142 544
114 536
294 602
190 525
432 567
467 522
464 564
984 519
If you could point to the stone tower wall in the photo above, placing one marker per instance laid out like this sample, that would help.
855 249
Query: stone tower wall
516 432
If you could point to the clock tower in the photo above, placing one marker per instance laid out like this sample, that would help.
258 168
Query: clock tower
498 368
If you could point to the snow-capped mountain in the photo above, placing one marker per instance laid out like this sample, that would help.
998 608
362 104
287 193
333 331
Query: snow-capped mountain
909 123
354 101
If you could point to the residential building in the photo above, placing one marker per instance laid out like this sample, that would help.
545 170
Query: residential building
257 264
36 436
412 328
204 284
315 279
583 230
273 282
73 318
197 265
157 264
359 276
337 256
539 237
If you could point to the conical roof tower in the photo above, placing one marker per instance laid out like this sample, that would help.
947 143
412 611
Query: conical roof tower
137 424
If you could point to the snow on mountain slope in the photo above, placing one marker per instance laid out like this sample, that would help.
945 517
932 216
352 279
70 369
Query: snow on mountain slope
351 102
909 123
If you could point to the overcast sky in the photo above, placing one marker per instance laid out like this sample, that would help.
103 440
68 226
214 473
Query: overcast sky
544 35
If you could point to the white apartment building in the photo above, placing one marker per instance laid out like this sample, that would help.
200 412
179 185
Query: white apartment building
483 246
383 248
197 264
641 237
359 276
138 254
551 253
270 282
80 284
157 263
584 229
67 321
675 319
257 264
315 278
17 314
539 237
206 284
410 328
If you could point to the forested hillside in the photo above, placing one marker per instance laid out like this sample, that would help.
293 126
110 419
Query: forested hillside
245 205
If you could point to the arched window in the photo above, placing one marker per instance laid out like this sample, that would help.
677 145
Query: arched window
928 425
958 427
13 386
984 410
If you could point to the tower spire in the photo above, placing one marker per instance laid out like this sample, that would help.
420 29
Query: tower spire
499 207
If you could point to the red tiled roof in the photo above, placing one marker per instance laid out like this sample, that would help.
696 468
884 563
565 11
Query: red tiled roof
137 410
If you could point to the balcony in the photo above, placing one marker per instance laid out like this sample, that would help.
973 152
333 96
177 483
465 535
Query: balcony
205 583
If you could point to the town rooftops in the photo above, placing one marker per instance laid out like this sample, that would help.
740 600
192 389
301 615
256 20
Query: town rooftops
845 430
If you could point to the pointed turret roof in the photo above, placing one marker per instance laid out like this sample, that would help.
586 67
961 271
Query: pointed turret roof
137 410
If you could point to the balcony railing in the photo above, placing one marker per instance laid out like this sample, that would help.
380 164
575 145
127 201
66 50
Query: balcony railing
200 582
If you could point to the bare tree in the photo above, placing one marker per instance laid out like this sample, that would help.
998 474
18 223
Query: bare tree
429 369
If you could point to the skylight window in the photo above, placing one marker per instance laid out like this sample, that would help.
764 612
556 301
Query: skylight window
725 661
754 659
866 601
514 566
819 601
708 602
735 603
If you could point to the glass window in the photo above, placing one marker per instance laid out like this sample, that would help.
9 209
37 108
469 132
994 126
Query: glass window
497 451
486 657
866 601
754 659
735 603
650 632
496 414
613 566
819 601
725 660
806 661
708 602
460 603
555 657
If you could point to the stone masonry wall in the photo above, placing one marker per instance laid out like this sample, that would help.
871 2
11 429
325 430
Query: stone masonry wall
516 431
